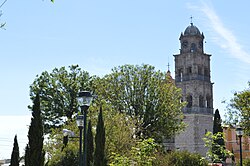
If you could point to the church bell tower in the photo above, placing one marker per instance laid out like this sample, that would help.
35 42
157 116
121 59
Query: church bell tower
192 75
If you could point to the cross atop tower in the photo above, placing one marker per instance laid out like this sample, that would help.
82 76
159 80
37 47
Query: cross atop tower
191 20
168 66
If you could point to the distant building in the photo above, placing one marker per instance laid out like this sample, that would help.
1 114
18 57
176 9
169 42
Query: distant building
192 75
232 144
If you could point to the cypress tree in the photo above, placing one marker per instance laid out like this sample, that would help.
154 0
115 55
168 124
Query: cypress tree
217 122
90 143
99 156
27 156
15 153
216 129
35 135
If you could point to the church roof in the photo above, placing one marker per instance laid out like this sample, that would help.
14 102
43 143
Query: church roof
192 30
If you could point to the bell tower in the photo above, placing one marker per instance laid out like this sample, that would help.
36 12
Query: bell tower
192 75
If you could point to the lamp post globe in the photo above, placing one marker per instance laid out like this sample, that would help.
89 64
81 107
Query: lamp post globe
84 99
239 132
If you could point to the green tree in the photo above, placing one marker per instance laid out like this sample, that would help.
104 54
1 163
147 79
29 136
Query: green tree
142 154
217 122
27 156
119 132
145 95
90 145
15 153
239 109
219 141
35 135
216 153
99 155
53 146
58 91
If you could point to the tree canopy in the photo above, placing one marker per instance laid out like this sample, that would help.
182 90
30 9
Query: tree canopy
239 109
58 91
144 94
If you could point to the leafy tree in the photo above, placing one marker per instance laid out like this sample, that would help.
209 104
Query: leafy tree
141 155
117 141
70 153
99 155
90 145
58 91
239 109
145 95
35 135
216 152
119 132
15 153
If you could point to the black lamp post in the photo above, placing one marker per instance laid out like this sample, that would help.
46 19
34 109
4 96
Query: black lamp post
79 121
84 100
239 133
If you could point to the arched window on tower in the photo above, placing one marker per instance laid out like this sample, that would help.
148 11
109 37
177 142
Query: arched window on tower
180 73
201 101
208 102
193 47
189 101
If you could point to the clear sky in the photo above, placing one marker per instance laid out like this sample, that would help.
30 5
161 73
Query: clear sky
99 35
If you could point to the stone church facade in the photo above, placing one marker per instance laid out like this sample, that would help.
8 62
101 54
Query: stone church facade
192 75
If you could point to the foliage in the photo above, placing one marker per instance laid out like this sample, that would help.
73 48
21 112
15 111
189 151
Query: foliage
2 25
217 122
90 143
54 144
27 156
141 155
99 155
35 135
69 156
119 129
239 109
144 95
219 141
58 91
246 162
179 158
15 153
216 152
117 140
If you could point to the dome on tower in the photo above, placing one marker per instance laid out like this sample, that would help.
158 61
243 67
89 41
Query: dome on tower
192 30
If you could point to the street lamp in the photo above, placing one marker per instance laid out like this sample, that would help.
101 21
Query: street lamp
239 133
84 100
79 121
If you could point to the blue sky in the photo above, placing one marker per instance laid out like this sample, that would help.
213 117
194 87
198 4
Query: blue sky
99 35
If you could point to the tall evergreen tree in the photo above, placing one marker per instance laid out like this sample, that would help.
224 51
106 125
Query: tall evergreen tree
27 156
90 145
35 135
218 143
99 156
217 122
15 153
